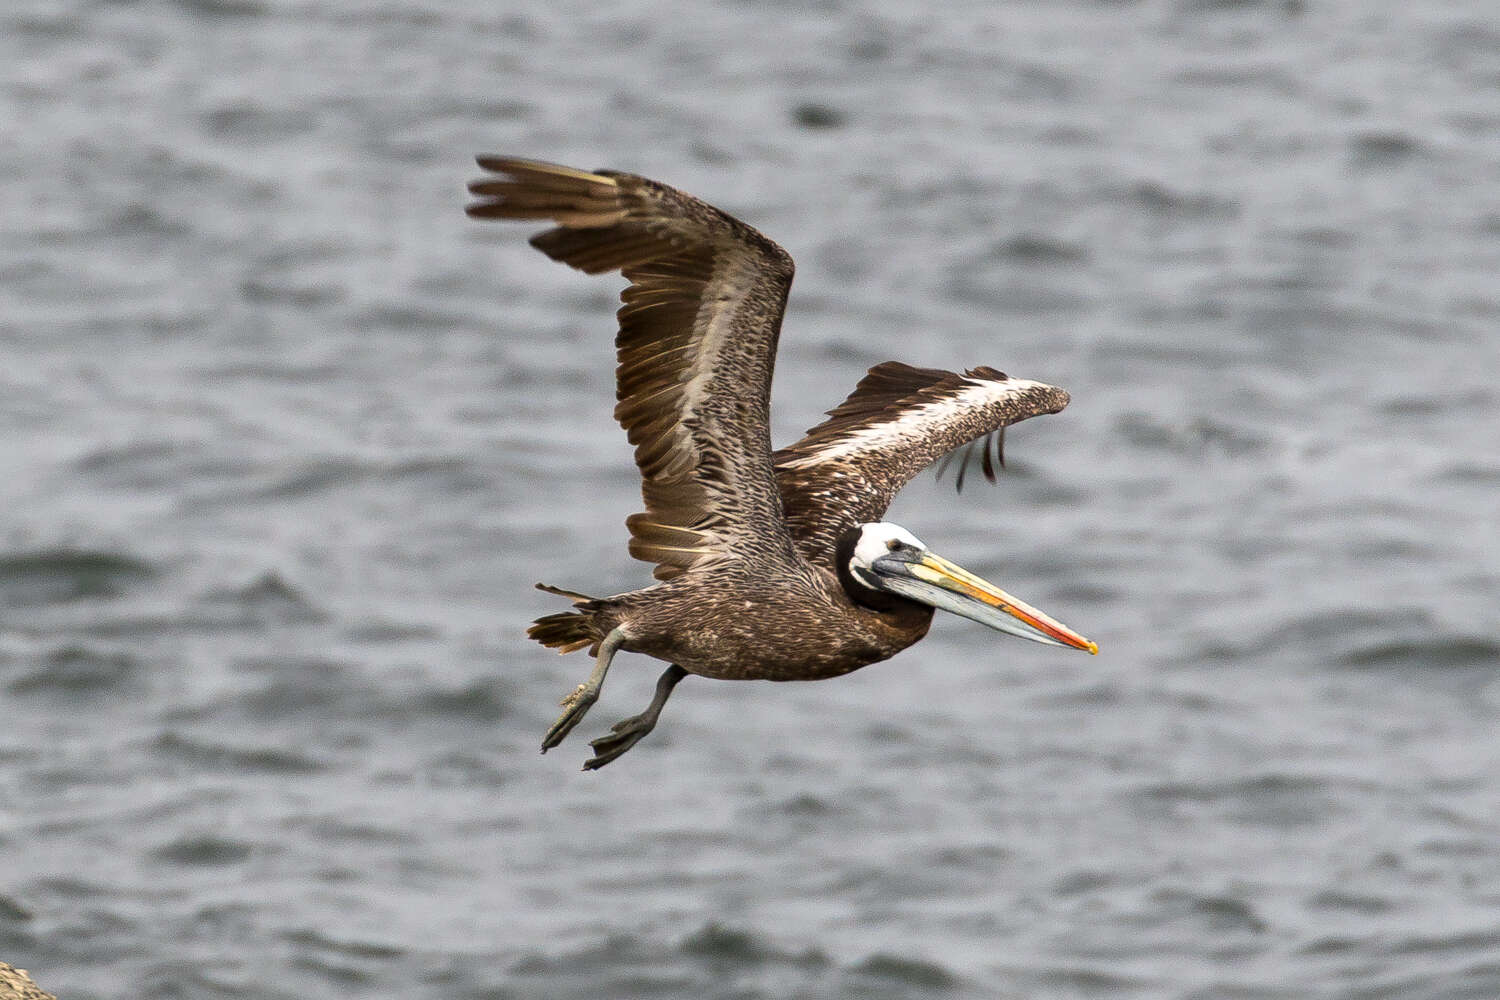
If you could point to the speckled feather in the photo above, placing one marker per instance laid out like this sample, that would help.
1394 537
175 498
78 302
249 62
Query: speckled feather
696 347
896 422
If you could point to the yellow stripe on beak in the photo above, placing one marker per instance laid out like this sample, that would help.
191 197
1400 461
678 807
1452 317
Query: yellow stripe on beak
941 573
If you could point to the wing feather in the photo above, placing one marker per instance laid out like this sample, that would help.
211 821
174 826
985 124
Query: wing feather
696 348
895 423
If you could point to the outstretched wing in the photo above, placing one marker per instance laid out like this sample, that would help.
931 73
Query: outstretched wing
696 348
895 423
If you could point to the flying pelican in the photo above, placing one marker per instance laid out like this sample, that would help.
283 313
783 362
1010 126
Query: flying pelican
770 565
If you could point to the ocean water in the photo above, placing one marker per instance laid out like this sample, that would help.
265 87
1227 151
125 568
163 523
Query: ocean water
285 440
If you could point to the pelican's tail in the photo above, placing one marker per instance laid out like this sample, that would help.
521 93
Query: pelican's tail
569 630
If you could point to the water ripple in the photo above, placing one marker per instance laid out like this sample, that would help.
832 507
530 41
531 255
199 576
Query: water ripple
723 946
899 971
55 575
1278 800
78 670
1436 652
205 850
208 755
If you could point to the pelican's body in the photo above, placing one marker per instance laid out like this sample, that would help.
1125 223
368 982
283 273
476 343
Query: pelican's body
772 565
736 624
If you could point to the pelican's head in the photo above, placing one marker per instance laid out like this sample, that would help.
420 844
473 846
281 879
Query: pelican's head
882 558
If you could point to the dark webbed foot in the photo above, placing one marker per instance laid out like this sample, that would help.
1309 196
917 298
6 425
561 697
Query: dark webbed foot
577 704
625 734
628 732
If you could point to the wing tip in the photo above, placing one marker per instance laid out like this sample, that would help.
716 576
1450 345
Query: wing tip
520 166
1051 398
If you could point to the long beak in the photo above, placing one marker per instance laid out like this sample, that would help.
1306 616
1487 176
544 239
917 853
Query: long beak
922 576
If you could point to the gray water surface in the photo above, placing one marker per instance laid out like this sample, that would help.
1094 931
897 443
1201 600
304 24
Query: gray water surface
285 439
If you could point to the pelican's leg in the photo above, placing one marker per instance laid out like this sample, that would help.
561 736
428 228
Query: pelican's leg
628 732
578 703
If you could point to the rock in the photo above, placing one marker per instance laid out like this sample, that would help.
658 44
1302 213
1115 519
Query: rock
16 984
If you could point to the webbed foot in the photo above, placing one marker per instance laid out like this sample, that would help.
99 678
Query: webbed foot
628 732
625 734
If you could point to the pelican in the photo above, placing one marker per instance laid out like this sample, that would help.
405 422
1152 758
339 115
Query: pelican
771 565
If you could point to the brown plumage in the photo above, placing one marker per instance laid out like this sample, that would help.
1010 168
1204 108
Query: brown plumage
771 565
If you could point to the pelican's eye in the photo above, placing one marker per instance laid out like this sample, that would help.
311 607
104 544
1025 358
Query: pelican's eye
895 544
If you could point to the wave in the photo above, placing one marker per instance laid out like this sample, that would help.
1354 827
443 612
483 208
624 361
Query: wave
205 755
57 575
1436 652
78 670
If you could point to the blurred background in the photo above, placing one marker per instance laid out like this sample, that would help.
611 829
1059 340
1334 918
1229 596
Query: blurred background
285 440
